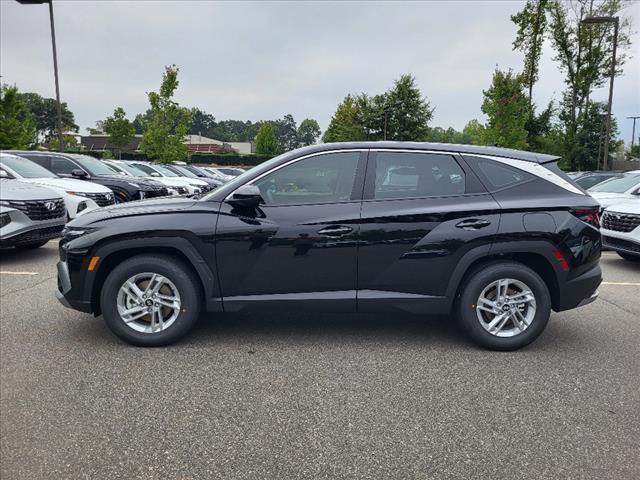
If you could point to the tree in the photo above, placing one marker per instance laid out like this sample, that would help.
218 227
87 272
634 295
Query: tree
408 113
266 141
590 138
202 123
168 123
44 112
287 133
507 109
584 55
308 132
475 132
120 130
345 125
141 121
16 124
531 22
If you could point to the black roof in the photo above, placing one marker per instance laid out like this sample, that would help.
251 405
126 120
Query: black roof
439 147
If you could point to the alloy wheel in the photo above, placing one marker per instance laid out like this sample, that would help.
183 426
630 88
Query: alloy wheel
506 307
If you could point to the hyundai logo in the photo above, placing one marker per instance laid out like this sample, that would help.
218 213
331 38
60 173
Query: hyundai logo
50 205
107 196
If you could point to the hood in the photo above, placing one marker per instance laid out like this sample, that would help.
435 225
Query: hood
69 184
128 209
606 199
632 207
20 191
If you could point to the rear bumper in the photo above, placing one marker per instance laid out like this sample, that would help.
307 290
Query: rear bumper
581 290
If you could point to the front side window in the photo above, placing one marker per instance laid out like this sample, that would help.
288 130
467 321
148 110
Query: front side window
324 178
26 168
62 166
93 166
411 175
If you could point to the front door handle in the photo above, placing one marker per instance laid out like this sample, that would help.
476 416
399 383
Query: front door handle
473 224
335 231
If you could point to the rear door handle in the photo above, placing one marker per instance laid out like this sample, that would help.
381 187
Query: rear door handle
335 231
473 224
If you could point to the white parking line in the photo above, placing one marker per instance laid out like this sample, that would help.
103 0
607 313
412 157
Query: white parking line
632 284
5 272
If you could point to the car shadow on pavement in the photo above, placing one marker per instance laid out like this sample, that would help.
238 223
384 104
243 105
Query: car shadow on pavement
13 257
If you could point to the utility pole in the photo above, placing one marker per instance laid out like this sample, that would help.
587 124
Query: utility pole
616 24
55 64
633 134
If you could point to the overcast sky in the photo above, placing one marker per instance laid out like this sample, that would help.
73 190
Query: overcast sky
253 61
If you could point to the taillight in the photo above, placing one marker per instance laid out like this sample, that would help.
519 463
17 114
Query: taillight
588 215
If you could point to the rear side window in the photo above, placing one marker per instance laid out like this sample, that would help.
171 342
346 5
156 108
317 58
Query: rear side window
411 175
41 160
496 175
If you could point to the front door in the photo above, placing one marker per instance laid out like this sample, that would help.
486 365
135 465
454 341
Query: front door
300 247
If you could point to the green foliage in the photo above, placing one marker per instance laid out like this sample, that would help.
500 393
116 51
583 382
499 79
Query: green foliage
633 152
69 142
400 114
507 109
588 143
286 132
44 112
201 123
167 124
266 140
531 22
475 132
345 125
408 112
16 124
120 130
308 132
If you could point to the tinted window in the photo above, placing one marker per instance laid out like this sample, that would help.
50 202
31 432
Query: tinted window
63 166
25 168
146 169
499 175
407 175
320 179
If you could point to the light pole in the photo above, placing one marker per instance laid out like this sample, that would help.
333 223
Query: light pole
55 64
633 134
616 24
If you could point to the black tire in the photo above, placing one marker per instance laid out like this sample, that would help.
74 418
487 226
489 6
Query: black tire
31 246
173 269
473 286
629 256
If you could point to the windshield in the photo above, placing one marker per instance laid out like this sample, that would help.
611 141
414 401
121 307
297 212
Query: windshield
116 168
130 169
93 166
165 171
26 168
183 171
617 185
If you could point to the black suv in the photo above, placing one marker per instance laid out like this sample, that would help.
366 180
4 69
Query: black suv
84 167
496 237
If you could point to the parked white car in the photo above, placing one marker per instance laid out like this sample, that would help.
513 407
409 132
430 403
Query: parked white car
617 190
218 174
158 172
79 196
127 169
620 229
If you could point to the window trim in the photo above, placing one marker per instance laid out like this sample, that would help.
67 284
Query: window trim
358 180
369 190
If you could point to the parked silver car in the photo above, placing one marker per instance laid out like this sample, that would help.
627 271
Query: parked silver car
30 215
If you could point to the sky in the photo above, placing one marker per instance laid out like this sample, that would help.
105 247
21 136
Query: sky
262 60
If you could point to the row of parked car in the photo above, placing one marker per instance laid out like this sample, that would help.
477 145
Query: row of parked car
619 196
41 191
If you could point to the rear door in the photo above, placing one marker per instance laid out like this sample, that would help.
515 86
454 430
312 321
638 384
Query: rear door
422 211
300 247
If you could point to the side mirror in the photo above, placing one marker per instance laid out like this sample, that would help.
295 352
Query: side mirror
79 173
246 196
155 174
4 174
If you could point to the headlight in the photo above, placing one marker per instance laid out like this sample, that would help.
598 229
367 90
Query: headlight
134 185
70 233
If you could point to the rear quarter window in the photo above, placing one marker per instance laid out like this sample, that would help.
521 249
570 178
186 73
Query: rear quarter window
496 175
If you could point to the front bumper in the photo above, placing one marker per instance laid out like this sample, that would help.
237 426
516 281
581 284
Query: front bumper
63 293
625 242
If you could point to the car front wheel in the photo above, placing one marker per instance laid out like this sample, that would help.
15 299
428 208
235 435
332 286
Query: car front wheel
151 300
504 306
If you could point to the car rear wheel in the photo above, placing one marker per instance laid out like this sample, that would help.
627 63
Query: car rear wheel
504 306
151 300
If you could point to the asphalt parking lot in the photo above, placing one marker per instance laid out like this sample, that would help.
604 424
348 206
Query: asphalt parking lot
330 396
